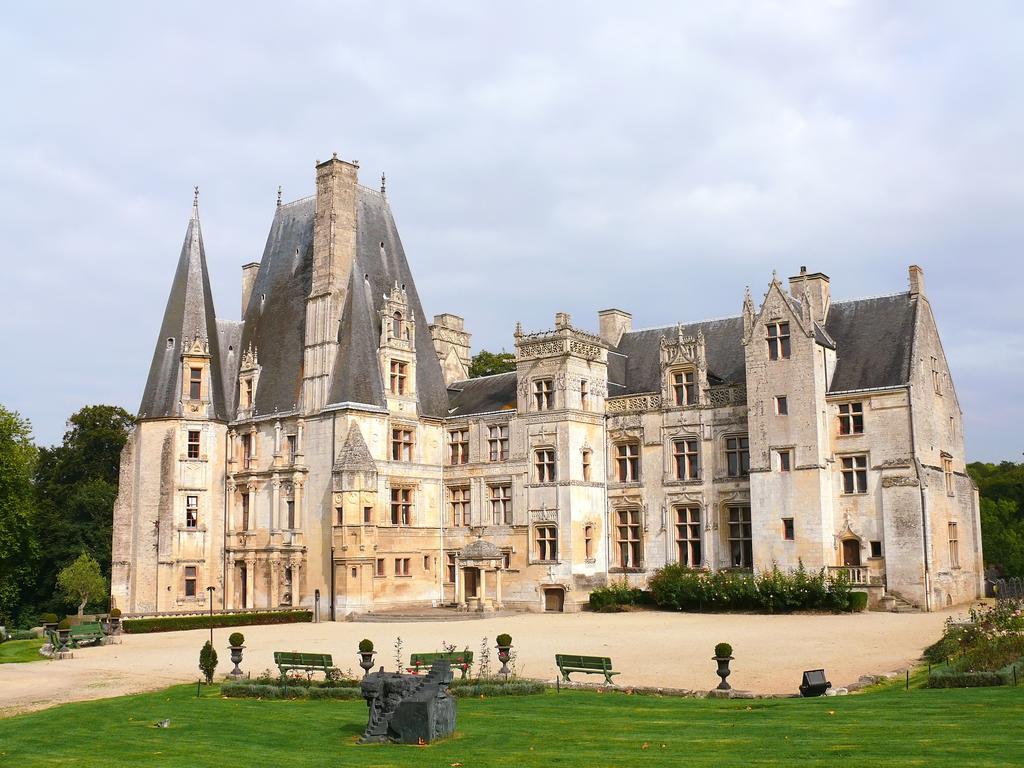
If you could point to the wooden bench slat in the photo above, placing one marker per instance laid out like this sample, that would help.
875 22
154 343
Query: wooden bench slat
591 665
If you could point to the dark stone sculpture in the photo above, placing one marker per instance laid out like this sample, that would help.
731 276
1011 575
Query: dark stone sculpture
409 709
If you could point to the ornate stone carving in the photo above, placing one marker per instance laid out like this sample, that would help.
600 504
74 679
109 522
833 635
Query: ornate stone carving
631 403
409 709
538 349
899 480
582 349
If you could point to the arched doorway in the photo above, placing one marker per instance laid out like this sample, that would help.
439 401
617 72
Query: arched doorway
554 600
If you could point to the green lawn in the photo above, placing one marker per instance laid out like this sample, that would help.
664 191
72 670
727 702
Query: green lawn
15 651
584 729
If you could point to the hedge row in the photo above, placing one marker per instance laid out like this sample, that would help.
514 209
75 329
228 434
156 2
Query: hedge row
512 688
256 691
22 634
950 677
203 621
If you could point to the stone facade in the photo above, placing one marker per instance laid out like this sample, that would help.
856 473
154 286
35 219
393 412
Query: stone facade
330 444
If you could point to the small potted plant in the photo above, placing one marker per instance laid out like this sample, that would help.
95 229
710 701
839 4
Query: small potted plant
236 643
115 621
49 622
504 642
723 655
366 653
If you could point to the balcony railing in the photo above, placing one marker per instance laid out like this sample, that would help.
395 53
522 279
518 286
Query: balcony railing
858 575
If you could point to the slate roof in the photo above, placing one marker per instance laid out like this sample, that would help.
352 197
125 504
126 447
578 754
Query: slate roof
483 394
874 340
354 455
377 268
189 312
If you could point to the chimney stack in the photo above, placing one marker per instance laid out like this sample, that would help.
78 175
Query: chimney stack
249 272
613 323
916 280
812 287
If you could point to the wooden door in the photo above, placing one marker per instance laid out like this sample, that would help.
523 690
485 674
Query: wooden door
554 600
851 553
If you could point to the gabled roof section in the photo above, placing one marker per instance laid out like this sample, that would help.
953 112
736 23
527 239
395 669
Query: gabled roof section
229 333
723 347
357 377
275 320
189 314
874 338
484 394
354 455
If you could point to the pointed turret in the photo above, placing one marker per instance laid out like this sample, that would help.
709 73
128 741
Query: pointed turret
185 376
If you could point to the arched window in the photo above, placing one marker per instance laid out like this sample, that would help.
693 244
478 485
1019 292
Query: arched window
397 330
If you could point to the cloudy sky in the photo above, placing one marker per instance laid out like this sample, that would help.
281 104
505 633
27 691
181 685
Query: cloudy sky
547 157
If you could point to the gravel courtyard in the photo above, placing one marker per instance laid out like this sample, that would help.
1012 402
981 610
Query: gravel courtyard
648 648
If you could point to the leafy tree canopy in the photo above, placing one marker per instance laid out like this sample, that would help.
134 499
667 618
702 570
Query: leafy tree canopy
1001 487
486 363
82 581
18 546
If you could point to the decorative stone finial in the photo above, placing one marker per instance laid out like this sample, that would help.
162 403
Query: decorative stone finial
278 195
195 198
383 185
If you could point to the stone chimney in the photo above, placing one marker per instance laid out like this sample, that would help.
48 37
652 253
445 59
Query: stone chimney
916 280
812 287
451 341
248 280
613 323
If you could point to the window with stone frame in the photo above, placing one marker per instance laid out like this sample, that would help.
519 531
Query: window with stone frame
588 542
688 551
781 405
399 372
426 563
339 515
247 392
627 462
686 458
544 394
292 443
737 456
544 462
367 515
402 566
954 546
450 567
458 446
195 383
379 570
458 501
191 580
936 376
627 538
501 504
854 470
191 511
586 453
247 450
245 510
684 387
851 418
778 341
398 327
289 511
546 537
741 546
788 529
506 559
876 549
947 475
497 442
784 459
401 444
584 394
401 506
193 444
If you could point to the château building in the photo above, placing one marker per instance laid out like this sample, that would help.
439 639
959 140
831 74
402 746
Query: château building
331 443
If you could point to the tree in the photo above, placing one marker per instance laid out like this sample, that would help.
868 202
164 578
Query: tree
208 661
82 580
18 546
486 363
76 484
1001 487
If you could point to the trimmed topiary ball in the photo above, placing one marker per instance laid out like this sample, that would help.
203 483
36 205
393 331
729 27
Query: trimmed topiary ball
48 618
504 639
236 639
366 645
115 613
65 623
723 650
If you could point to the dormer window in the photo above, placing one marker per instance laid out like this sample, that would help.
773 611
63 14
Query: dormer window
399 373
195 383
684 388
778 341
397 326
247 393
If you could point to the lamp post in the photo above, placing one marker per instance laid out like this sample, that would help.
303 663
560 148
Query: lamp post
209 591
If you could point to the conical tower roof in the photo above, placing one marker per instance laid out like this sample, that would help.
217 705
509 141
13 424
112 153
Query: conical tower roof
188 316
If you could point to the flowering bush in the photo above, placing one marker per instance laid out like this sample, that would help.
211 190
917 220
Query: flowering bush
992 638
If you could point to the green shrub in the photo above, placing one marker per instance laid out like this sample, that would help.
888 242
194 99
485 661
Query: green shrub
265 691
613 597
22 634
475 689
65 623
858 601
205 621
208 661
723 650
115 613
951 677
236 639
366 645
504 640
48 618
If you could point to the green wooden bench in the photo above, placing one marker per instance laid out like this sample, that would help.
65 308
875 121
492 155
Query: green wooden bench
590 665
307 662
85 634
56 644
422 662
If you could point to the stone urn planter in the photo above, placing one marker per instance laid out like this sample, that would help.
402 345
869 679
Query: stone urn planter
366 654
504 653
236 646
723 655
64 632
49 622
115 622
